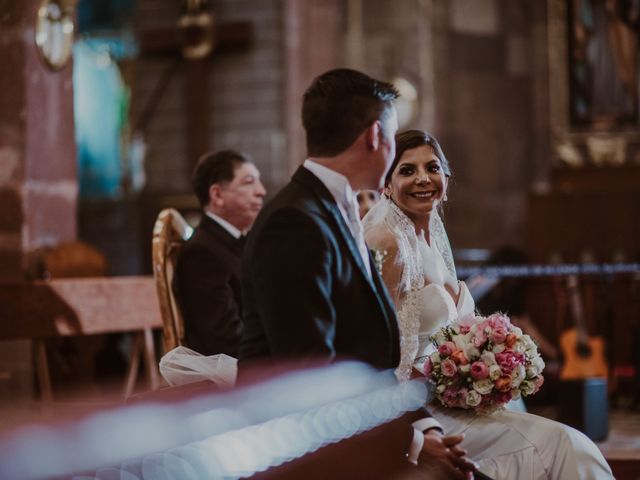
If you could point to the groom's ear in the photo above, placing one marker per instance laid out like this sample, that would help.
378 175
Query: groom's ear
372 136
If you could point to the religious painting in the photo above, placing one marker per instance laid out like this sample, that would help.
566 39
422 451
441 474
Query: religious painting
603 65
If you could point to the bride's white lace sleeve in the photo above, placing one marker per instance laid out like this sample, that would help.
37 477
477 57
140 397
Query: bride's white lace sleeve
384 242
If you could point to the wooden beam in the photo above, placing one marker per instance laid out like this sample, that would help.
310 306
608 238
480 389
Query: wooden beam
196 111
228 37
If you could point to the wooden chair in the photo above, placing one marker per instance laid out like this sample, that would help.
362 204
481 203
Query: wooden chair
169 234
73 259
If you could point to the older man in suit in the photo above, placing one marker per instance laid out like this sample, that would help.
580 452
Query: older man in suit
310 287
207 280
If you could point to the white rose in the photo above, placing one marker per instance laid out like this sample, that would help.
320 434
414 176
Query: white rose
538 362
483 386
471 352
531 352
465 368
536 366
495 372
517 376
461 341
519 347
441 388
440 337
488 358
527 387
498 348
473 398
435 357
528 342
517 331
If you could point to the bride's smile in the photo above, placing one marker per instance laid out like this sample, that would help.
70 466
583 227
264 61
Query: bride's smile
423 194
418 183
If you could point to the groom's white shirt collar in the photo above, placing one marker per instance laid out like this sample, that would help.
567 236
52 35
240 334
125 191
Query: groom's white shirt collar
337 184
233 231
340 188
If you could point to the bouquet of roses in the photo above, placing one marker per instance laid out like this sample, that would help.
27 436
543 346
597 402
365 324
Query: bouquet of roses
481 363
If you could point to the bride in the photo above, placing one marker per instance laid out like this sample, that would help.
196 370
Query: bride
417 267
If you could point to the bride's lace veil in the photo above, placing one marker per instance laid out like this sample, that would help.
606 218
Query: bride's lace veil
441 239
387 213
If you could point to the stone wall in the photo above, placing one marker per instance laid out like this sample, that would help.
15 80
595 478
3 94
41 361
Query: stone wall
37 150
38 187
479 67
246 91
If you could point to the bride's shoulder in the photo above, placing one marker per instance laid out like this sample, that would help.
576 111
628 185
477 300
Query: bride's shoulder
379 237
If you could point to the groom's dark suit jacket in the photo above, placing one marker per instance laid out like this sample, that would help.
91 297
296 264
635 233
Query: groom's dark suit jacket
306 290
307 294
208 290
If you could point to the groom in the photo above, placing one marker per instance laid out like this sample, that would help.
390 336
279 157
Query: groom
310 287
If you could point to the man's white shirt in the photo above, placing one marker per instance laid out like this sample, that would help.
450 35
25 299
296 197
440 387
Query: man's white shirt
233 231
340 188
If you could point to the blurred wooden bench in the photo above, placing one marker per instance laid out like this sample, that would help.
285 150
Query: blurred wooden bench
83 306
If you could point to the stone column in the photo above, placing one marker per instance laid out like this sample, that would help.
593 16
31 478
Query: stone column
38 186
306 58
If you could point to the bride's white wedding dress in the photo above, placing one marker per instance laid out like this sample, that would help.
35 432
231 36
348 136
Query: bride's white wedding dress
506 444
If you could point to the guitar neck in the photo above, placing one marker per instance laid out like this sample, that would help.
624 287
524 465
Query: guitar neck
577 310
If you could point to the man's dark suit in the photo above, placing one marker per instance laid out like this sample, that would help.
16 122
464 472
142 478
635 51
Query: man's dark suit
306 290
307 294
208 290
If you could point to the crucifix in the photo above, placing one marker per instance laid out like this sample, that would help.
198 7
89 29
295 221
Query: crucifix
192 44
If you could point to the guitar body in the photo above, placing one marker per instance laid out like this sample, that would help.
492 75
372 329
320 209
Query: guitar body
577 367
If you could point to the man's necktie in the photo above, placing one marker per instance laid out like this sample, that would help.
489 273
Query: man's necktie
358 232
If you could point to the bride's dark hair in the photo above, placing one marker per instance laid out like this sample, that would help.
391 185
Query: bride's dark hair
413 139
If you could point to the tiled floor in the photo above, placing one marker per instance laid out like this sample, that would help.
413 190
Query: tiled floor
622 446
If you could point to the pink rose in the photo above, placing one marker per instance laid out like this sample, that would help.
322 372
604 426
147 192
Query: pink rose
479 370
538 381
508 360
427 368
503 397
451 396
498 335
446 349
499 320
479 338
465 323
448 368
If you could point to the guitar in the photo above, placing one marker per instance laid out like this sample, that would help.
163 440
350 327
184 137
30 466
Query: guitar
583 354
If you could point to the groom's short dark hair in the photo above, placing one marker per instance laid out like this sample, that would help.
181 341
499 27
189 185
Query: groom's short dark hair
339 105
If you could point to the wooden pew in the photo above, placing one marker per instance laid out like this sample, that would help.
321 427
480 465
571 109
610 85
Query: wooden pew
83 306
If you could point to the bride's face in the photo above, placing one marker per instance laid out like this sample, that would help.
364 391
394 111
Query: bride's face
418 182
